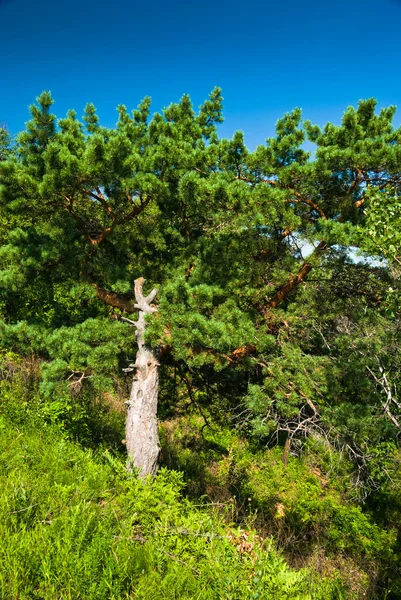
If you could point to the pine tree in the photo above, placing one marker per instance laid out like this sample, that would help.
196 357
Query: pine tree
215 229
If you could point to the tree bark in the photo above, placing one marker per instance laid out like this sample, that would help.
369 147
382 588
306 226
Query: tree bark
292 283
142 436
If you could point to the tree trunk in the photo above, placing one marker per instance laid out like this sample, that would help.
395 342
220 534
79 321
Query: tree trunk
142 436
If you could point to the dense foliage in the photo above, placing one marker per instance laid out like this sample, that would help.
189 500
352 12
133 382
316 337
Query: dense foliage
277 318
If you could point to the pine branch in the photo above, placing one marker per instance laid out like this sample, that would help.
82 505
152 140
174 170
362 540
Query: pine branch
100 198
292 283
114 300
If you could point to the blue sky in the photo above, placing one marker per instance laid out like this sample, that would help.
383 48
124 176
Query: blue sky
267 56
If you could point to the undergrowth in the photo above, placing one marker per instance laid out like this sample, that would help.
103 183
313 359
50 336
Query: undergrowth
76 525
305 504
222 520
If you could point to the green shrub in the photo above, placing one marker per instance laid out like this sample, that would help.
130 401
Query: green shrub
89 417
302 505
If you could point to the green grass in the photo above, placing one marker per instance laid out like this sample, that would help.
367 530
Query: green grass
75 525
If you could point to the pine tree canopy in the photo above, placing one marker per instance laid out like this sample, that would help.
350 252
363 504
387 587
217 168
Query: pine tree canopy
246 320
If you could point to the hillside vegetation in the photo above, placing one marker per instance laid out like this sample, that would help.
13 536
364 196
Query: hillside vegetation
199 357
75 524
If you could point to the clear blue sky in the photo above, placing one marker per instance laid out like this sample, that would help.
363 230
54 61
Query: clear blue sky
267 56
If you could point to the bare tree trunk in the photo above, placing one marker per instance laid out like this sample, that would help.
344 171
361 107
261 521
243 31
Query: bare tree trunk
142 436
